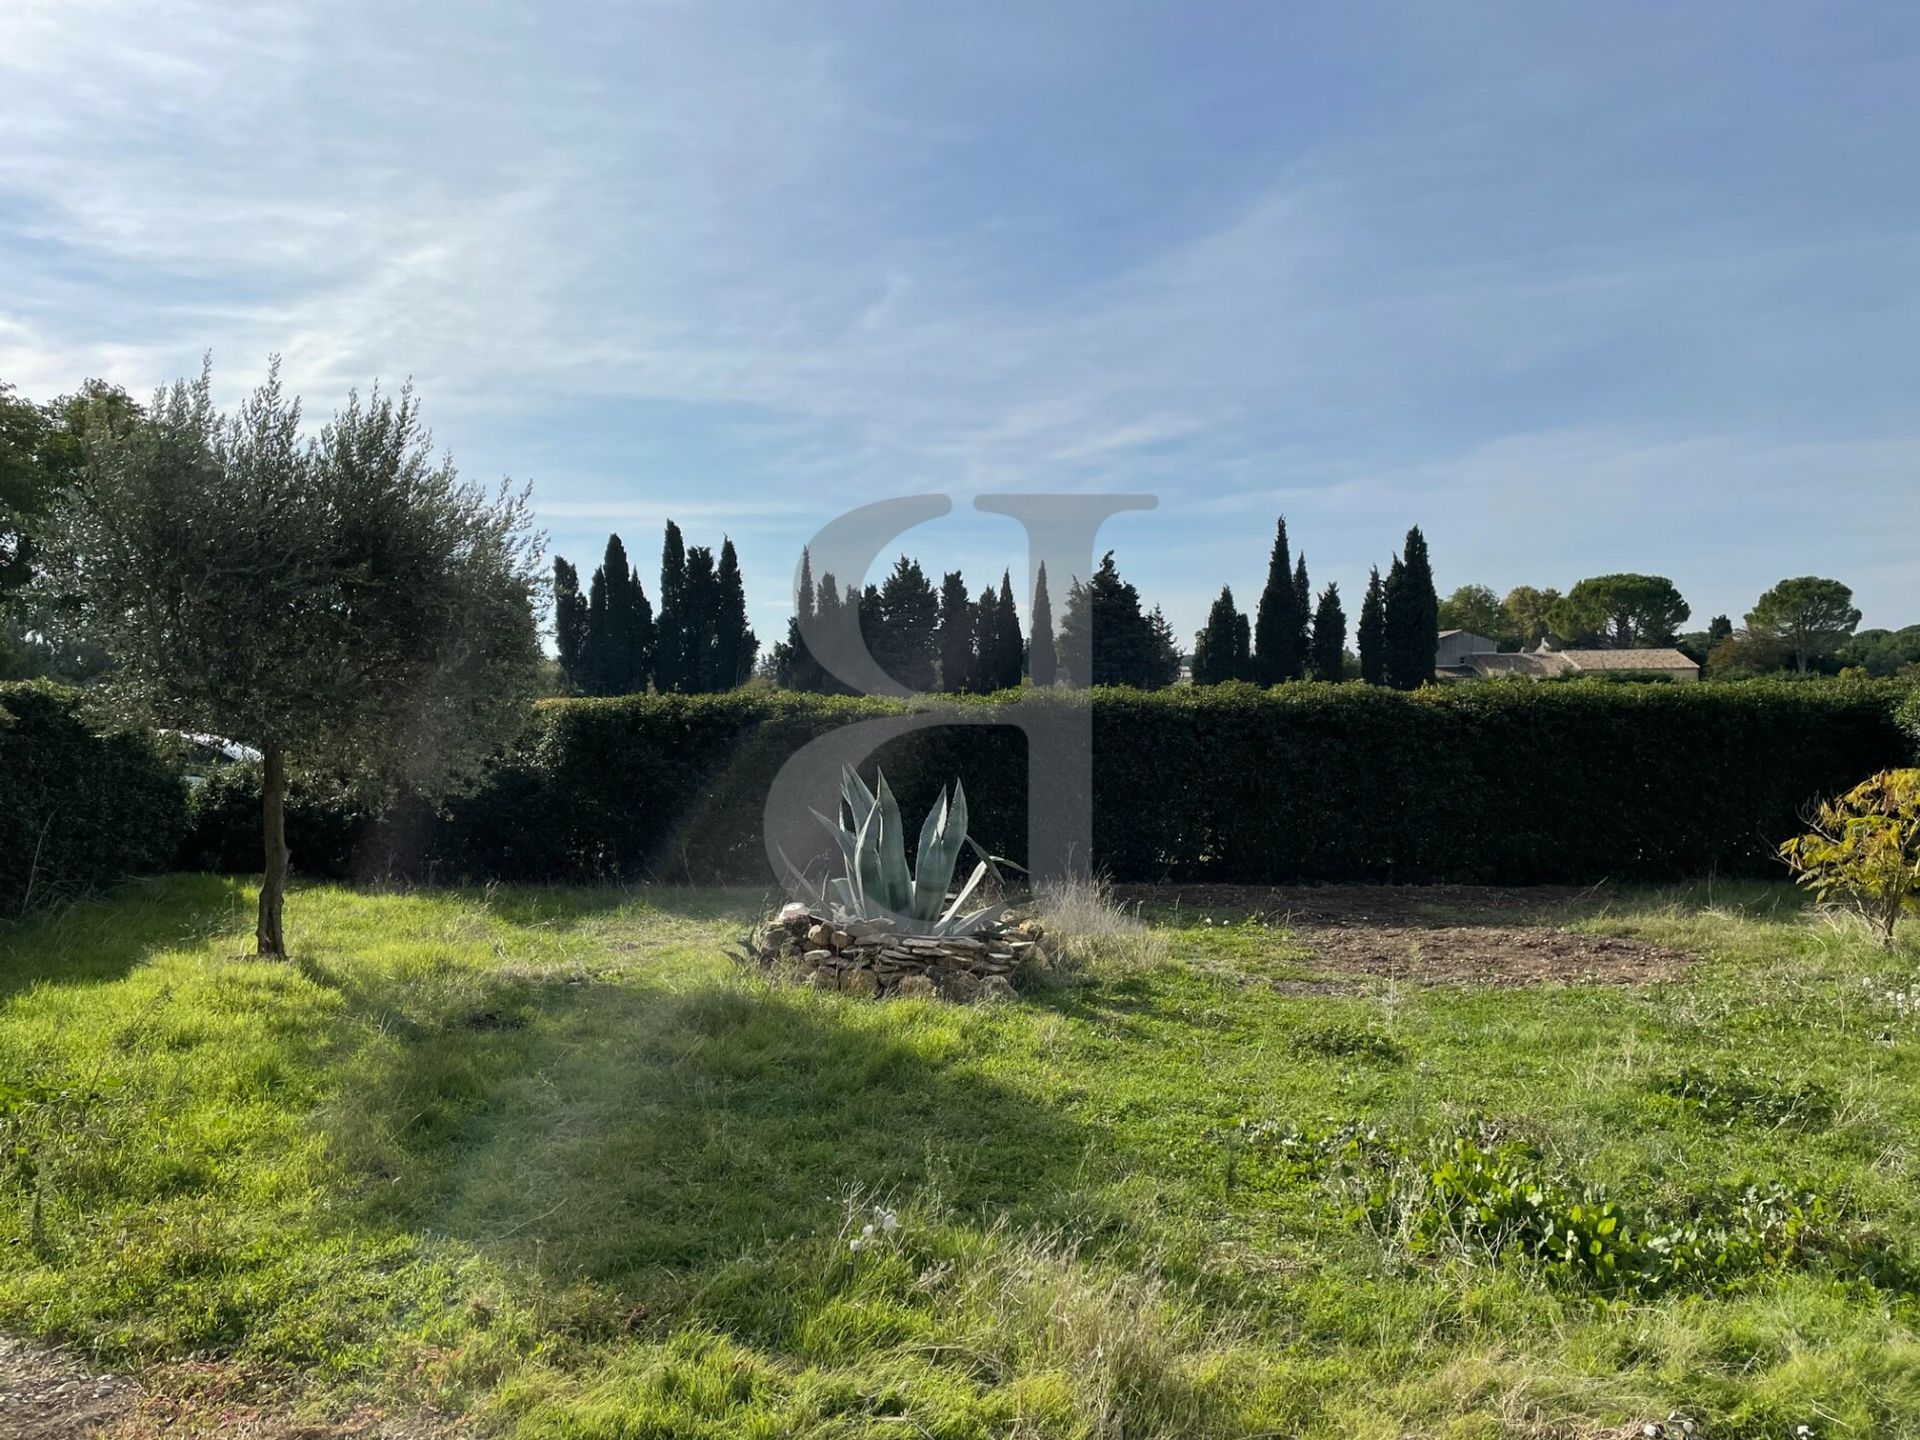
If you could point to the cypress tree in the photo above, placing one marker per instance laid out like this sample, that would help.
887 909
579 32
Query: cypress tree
569 620
794 665
827 608
735 646
986 639
1303 615
1042 660
1242 647
1372 636
1276 626
621 623
866 610
1412 627
596 670
1393 643
670 633
640 636
700 626
956 635
1329 635
1008 642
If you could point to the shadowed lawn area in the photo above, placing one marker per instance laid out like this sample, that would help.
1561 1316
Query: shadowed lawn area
547 1160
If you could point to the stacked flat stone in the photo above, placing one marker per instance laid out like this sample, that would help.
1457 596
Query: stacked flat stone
875 959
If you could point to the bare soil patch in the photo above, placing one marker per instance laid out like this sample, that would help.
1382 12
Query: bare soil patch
1428 934
49 1394
1499 956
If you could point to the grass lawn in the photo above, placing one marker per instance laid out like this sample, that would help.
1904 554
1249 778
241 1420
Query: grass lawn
547 1164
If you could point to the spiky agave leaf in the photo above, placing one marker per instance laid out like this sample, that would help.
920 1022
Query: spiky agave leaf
869 888
855 795
947 924
896 880
878 890
842 837
926 864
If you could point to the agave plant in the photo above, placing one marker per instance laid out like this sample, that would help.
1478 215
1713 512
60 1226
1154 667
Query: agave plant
878 889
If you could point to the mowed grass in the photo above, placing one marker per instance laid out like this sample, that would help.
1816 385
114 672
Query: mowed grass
547 1161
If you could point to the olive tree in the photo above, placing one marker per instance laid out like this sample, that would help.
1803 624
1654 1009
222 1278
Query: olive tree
340 601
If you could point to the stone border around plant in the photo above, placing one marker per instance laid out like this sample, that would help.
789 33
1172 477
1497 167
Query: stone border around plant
875 960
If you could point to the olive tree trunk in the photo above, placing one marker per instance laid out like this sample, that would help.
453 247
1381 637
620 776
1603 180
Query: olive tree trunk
273 882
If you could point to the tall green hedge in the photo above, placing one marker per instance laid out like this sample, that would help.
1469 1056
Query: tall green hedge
1507 784
79 806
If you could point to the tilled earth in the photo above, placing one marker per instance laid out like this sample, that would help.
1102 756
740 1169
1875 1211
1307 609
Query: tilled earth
1429 934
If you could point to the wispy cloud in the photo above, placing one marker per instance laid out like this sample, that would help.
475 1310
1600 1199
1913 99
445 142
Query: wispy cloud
1572 295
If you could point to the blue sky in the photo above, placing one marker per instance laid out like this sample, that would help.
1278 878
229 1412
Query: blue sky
1577 289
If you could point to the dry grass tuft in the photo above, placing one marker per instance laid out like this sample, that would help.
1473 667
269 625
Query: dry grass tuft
1090 932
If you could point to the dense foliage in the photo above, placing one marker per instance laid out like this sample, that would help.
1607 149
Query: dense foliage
1493 783
1863 851
79 807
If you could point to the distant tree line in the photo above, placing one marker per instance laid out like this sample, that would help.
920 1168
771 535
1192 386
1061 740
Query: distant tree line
1293 636
1806 624
612 642
692 634
947 640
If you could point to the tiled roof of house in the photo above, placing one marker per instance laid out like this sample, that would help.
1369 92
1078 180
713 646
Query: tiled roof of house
1534 667
1626 660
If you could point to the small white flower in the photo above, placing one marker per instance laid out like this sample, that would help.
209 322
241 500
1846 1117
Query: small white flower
889 1221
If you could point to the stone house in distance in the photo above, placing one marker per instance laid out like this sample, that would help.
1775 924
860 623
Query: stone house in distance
1462 655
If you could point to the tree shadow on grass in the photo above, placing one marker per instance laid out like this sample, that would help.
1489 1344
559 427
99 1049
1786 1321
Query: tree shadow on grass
645 1140
100 939
566 907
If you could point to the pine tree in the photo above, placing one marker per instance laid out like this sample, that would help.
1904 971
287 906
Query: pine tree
1329 635
670 671
1042 660
956 644
903 633
1161 662
735 646
569 620
1276 626
1412 619
1216 648
1372 636
1106 640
